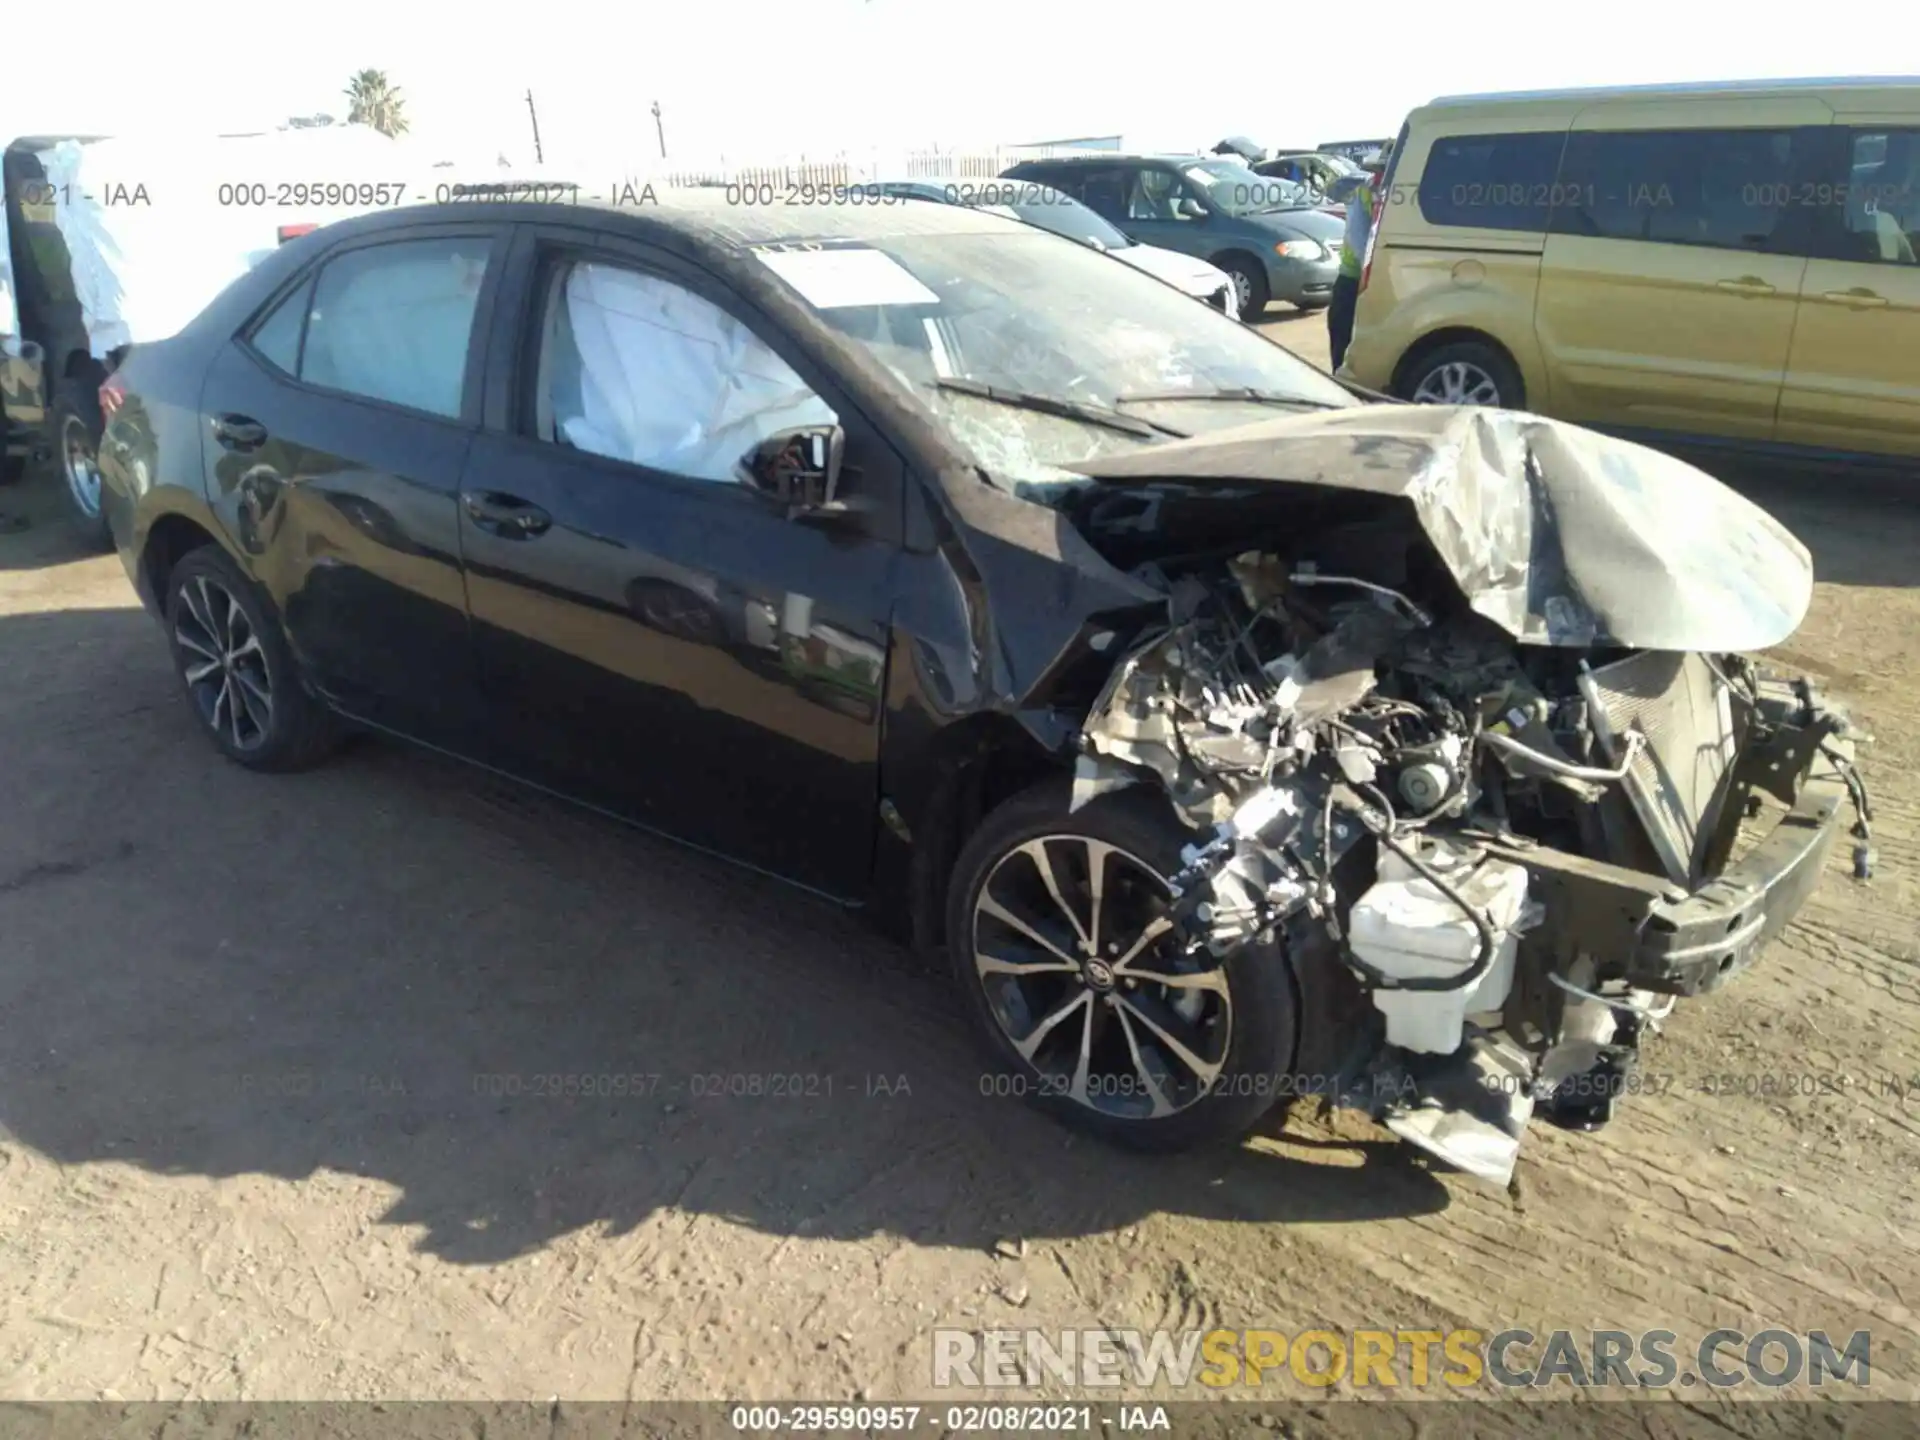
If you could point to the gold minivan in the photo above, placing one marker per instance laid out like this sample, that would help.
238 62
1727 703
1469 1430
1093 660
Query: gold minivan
1719 264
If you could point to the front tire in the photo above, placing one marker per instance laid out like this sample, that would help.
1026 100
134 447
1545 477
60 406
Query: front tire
1250 292
1088 1009
238 674
77 428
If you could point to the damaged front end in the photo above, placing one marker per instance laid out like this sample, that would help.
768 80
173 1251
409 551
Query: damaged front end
1498 802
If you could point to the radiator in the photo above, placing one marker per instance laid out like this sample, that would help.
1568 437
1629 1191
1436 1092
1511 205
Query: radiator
1679 779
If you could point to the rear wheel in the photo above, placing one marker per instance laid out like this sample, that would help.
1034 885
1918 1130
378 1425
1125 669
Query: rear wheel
238 674
1467 372
1090 1008
77 427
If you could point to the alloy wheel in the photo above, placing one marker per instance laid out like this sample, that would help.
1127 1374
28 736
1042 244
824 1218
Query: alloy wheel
81 466
1457 383
223 663
1075 953
1242 290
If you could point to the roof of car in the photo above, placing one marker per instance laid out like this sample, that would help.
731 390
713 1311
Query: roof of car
1704 87
707 215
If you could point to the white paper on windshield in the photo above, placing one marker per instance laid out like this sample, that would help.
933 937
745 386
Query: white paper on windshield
833 279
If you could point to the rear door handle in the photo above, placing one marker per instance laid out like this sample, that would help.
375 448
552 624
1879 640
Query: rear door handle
1746 285
507 516
1860 299
239 432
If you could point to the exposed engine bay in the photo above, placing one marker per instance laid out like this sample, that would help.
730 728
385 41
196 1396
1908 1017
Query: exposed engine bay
1509 851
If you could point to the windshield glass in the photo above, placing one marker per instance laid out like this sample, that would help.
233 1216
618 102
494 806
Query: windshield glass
1025 314
1235 188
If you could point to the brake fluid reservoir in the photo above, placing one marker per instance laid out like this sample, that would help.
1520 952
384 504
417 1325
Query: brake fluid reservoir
1407 928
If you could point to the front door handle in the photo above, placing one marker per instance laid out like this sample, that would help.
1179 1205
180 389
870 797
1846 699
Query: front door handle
1745 285
1860 298
507 516
239 432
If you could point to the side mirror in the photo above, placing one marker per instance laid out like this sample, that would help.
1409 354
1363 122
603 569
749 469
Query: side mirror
1191 209
799 469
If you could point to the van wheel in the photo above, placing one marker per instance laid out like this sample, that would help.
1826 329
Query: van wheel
1250 293
1089 1006
1467 372
77 426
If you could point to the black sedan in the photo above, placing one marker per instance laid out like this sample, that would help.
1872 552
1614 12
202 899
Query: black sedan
935 563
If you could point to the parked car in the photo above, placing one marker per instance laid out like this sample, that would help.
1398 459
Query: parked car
45 363
1266 234
1106 628
1317 172
1060 213
1725 266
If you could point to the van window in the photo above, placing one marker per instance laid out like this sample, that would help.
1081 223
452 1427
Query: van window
1491 182
1881 198
1725 189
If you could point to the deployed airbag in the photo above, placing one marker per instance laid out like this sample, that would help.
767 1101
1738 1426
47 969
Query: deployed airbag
671 381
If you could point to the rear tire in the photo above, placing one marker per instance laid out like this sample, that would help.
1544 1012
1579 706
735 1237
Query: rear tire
1449 373
77 428
235 668
1238 1020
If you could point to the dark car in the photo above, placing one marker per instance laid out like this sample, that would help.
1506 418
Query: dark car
1234 738
1267 234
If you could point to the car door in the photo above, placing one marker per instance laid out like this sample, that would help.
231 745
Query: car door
652 635
1853 375
338 427
1672 270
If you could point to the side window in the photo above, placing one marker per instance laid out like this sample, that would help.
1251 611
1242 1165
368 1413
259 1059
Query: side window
277 338
1155 195
393 322
639 369
1102 191
1726 189
1491 182
1881 202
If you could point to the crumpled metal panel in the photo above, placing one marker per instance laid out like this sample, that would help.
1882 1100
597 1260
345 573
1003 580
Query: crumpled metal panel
1560 535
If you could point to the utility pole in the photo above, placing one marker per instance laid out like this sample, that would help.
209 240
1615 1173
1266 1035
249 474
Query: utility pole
659 129
534 115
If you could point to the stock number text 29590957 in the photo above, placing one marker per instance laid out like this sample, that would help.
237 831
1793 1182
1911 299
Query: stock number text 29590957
386 192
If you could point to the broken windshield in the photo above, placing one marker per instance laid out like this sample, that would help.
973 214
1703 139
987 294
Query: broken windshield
1026 313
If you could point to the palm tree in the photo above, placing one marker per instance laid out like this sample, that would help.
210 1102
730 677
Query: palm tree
376 102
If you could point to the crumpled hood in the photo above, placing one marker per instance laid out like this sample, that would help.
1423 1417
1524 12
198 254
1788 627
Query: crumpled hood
1558 534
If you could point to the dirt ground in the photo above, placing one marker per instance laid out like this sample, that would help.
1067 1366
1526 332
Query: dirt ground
249 1147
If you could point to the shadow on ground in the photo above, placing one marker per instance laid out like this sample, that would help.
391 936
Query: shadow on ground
48 536
400 968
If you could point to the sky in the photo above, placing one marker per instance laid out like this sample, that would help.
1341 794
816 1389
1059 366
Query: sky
769 80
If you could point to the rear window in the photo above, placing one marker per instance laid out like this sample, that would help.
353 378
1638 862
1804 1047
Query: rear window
1491 182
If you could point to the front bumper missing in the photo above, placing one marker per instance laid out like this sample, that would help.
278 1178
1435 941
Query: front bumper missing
1654 936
